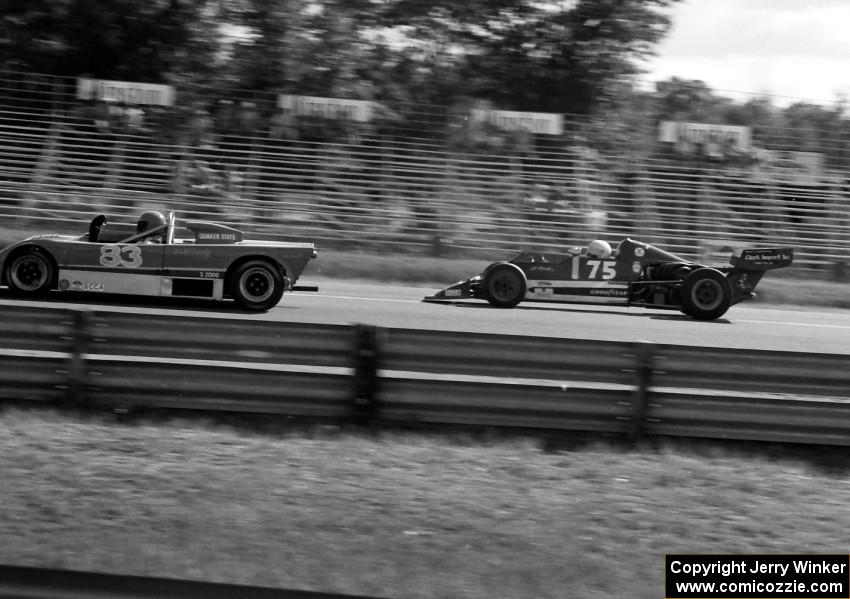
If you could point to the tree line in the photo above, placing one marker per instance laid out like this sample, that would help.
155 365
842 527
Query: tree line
578 57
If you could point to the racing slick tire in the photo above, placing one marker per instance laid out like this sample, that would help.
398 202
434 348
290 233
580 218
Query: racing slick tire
504 285
706 294
256 285
30 273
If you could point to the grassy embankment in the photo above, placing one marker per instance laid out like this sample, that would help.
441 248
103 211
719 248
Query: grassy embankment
404 515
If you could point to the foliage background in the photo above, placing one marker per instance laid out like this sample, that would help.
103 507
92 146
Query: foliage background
575 57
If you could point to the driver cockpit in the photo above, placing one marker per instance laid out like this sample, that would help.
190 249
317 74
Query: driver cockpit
152 227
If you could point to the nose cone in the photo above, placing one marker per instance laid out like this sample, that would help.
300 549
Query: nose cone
460 290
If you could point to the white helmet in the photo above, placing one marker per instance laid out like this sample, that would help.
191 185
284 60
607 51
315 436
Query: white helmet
599 249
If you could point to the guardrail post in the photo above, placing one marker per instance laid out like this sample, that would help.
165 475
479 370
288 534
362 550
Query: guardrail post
643 379
366 363
81 336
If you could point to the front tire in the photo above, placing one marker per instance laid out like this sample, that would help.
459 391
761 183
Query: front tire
504 285
256 285
30 273
706 294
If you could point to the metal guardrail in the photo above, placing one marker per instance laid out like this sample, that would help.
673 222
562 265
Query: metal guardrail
505 356
41 583
742 394
45 329
752 371
126 361
232 340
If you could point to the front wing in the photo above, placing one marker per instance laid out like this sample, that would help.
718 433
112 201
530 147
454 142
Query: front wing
466 289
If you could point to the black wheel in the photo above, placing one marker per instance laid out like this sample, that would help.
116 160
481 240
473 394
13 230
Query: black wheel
256 285
30 273
706 294
504 285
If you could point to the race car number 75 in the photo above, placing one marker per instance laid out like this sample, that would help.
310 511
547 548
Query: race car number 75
599 269
129 256
608 269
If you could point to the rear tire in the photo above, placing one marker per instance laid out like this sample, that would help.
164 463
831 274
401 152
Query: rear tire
30 273
256 285
706 294
504 285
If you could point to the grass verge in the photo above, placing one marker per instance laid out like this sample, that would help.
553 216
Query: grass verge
397 514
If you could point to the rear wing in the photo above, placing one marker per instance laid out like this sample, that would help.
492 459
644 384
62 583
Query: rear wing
763 259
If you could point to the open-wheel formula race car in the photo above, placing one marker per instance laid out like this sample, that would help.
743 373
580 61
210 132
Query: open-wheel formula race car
633 274
213 261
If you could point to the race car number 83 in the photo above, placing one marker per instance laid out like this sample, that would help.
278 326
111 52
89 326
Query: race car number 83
129 256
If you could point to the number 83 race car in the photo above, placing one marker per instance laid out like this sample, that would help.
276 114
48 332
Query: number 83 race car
633 274
214 262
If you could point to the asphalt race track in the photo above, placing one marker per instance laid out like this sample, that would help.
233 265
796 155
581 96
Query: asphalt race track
747 325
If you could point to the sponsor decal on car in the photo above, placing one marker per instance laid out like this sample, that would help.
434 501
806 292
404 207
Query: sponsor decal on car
765 257
216 236
192 250
612 292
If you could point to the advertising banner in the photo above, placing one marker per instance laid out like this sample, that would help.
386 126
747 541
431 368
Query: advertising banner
329 108
542 123
705 135
125 92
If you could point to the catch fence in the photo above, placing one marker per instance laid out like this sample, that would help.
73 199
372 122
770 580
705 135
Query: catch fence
421 180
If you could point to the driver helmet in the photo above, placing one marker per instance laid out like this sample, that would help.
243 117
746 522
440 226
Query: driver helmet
150 220
599 249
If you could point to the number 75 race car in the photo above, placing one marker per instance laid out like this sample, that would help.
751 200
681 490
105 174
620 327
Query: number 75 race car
214 262
633 274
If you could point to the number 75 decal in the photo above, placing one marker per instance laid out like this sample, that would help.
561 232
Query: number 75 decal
129 256
599 269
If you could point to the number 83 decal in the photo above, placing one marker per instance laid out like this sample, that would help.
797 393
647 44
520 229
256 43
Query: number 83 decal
129 256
